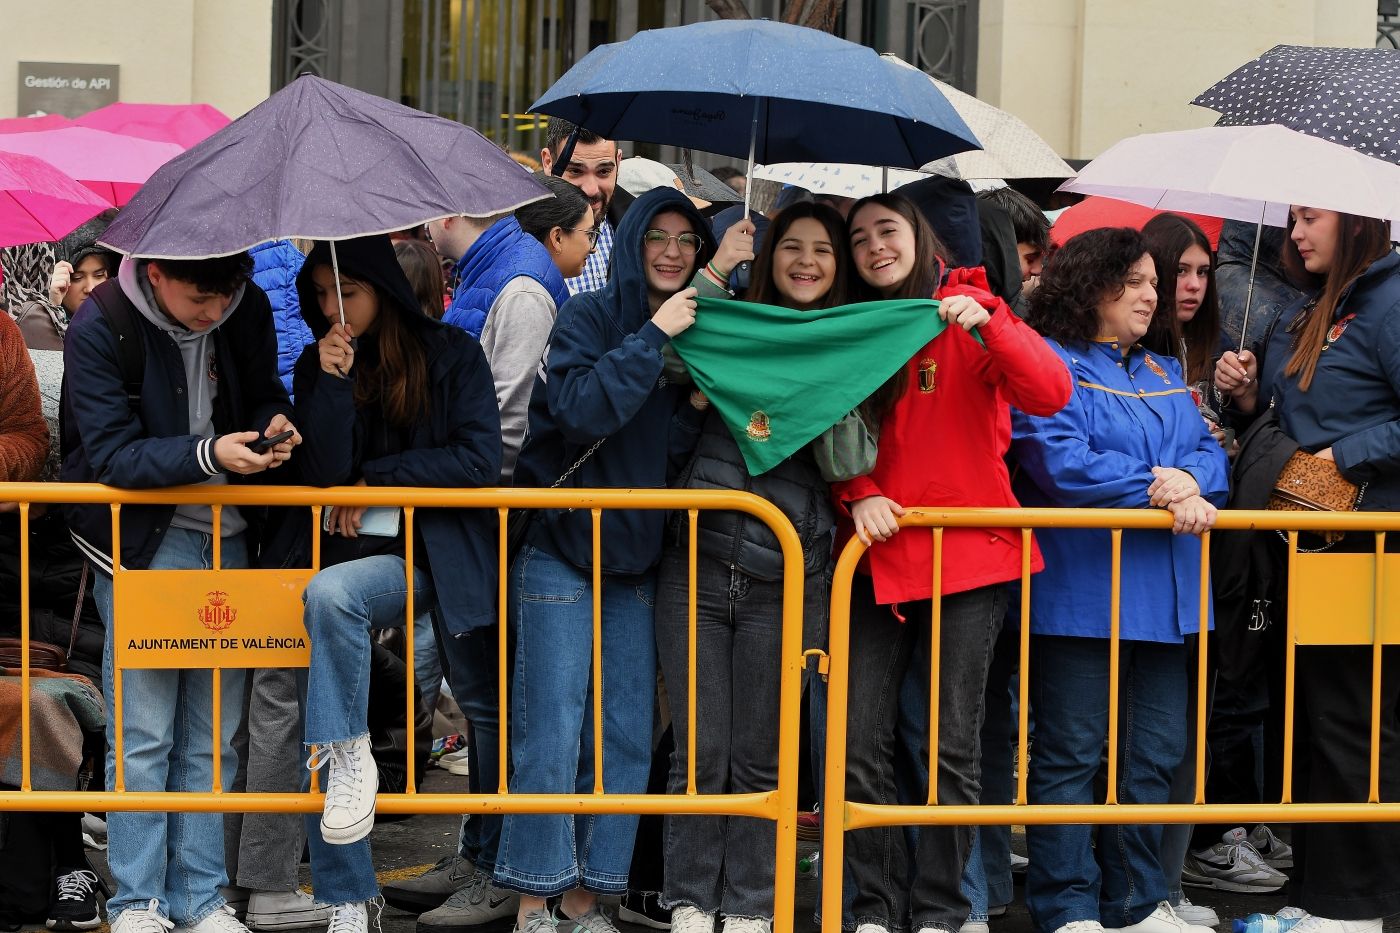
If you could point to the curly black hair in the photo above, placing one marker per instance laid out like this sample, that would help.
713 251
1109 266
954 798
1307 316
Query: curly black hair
221 275
1086 270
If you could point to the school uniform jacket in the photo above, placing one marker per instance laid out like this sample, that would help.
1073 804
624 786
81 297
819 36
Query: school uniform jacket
1126 415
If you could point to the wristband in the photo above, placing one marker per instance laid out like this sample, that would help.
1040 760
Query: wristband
722 279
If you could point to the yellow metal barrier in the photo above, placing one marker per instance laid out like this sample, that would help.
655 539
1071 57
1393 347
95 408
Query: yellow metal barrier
174 605
1332 599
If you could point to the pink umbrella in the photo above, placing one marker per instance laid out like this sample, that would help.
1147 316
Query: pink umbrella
182 124
39 203
50 121
112 165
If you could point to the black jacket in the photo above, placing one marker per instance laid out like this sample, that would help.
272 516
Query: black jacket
456 444
740 540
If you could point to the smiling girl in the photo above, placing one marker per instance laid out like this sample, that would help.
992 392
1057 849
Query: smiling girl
944 428
724 865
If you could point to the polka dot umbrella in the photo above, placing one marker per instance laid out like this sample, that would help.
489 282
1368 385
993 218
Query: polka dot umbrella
1346 96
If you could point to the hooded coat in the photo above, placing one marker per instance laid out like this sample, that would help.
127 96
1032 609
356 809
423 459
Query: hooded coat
455 444
603 381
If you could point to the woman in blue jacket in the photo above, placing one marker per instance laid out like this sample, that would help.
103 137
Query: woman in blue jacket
389 397
1130 437
601 415
1330 368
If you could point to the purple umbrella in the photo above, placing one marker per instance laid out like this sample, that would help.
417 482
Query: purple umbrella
320 161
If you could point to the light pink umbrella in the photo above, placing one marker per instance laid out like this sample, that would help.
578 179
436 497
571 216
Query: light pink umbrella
49 121
182 124
113 166
39 203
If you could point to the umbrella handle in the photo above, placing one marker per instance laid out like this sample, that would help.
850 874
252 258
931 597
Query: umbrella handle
748 184
1249 292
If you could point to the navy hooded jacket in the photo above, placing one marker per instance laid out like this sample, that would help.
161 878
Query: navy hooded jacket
455 444
603 381
1353 404
151 448
502 253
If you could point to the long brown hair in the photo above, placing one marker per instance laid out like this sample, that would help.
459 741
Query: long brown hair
1168 237
399 379
764 291
930 259
1360 242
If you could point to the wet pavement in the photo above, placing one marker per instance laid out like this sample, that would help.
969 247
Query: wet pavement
407 847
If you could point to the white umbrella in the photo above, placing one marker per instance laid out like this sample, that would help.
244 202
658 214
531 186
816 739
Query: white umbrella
851 181
1010 148
1249 173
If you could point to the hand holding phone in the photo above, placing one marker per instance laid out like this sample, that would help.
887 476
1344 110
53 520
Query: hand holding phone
264 444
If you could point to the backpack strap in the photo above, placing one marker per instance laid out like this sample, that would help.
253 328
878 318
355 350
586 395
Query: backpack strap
120 314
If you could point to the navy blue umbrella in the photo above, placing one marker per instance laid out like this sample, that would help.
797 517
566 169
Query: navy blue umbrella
321 161
1346 96
768 91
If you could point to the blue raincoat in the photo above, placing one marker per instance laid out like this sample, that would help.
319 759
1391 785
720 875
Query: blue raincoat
1126 416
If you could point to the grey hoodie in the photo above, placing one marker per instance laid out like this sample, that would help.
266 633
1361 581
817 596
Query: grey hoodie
201 380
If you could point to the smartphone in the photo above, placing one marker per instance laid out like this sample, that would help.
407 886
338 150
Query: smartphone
264 444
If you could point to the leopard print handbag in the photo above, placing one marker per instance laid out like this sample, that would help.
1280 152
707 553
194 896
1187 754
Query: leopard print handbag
1312 484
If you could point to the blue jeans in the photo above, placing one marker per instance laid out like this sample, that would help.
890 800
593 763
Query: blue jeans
551 610
1069 691
343 603
427 663
473 673
176 859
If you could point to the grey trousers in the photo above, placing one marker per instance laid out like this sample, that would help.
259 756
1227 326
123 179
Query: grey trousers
263 850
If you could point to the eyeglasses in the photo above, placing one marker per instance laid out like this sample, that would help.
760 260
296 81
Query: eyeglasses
590 232
688 243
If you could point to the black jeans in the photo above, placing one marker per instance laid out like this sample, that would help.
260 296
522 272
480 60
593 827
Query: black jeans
716 863
1345 871
881 650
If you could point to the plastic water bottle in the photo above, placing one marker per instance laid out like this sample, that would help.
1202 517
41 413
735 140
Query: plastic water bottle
1265 923
811 865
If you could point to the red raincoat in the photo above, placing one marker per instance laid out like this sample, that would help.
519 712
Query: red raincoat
944 444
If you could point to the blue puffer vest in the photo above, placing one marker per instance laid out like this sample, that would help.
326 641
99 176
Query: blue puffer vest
503 252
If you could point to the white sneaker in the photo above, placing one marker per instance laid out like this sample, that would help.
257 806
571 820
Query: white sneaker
1161 920
871 928
456 762
1315 924
352 780
747 925
975 926
285 910
1198 915
1291 913
349 918
688 919
142 920
220 921
1081 926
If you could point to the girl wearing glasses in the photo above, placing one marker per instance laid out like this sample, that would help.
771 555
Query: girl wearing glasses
601 415
724 865
945 426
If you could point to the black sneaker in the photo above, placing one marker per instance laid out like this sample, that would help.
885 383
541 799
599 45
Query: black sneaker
74 905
